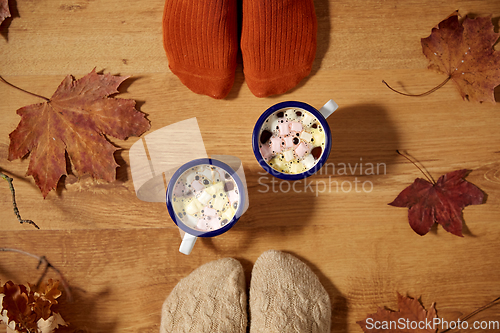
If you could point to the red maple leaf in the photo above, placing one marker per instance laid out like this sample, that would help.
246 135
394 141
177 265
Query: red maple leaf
4 10
464 52
441 202
410 318
75 121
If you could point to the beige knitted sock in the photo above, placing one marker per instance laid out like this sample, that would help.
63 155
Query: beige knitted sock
286 296
210 299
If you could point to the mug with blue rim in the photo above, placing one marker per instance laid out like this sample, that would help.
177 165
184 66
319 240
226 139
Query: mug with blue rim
292 140
205 198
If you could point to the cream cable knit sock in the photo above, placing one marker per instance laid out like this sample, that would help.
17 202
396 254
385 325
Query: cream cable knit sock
210 299
286 296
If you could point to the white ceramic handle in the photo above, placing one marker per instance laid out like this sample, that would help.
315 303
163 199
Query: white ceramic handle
328 108
187 243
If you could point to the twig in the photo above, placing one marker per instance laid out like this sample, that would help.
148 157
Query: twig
490 304
422 94
427 175
28 92
43 261
16 210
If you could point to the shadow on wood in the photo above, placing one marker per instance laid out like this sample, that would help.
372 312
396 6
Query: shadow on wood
364 142
83 312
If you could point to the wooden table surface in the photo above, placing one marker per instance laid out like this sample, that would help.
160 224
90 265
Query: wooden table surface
120 255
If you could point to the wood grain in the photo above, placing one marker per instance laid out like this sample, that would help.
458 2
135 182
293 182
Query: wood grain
120 255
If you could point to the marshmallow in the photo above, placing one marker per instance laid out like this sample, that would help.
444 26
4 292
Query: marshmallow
190 178
306 136
215 188
290 114
296 168
197 186
179 189
283 127
204 197
232 196
274 123
295 126
228 214
278 163
222 174
307 119
308 161
301 149
207 172
193 207
214 224
288 155
202 224
209 211
276 145
190 221
266 151
288 141
319 137
219 203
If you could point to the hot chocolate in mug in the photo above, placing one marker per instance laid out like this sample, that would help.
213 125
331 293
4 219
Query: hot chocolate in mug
292 140
205 198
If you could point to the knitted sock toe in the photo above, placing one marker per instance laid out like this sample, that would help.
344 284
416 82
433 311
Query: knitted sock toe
286 296
210 299
201 43
278 44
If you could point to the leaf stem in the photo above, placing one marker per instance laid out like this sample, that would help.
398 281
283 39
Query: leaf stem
28 92
426 175
422 94
490 304
16 210
43 260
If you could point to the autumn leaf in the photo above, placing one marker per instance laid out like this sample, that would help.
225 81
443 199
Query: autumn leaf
75 120
464 52
48 291
410 318
30 309
441 202
4 10
16 303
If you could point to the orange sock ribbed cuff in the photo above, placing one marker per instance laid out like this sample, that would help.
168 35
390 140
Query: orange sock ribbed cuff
201 43
278 44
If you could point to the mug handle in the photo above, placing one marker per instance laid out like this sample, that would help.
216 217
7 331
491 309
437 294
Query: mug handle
187 243
328 108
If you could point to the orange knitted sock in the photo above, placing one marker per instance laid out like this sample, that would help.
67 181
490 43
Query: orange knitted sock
278 44
201 43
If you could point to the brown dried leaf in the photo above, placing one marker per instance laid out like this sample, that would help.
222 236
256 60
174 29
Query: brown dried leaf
44 297
29 307
49 291
75 121
410 318
15 301
464 52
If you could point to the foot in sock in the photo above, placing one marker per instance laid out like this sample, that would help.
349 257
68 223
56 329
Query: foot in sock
201 43
210 299
278 44
286 296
